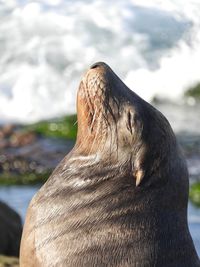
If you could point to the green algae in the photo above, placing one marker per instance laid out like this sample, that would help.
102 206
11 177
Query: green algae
195 194
65 127
23 179
194 92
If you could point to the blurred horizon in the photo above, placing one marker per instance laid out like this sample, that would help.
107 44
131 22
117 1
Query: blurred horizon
46 46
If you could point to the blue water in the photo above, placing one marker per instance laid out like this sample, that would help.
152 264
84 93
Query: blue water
19 197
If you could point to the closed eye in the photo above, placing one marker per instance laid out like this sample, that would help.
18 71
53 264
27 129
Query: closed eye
129 123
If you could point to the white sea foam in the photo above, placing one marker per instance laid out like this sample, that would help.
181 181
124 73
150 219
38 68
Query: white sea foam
154 45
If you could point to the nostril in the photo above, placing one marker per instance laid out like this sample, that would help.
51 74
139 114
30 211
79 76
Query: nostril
94 66
97 64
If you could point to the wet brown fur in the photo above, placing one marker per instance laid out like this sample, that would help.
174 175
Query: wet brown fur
119 198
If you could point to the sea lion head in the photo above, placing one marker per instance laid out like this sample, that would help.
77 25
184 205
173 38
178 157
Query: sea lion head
123 128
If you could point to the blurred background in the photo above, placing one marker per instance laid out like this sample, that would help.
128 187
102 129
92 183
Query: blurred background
46 46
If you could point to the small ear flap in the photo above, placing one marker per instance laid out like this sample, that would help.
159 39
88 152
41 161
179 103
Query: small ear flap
138 175
139 166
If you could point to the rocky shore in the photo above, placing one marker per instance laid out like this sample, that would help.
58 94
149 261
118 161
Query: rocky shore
28 154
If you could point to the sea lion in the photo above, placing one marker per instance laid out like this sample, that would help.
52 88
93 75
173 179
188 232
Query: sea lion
119 198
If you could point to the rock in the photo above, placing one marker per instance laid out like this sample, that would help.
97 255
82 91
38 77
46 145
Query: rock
6 130
15 136
3 143
27 154
18 164
8 261
22 139
10 231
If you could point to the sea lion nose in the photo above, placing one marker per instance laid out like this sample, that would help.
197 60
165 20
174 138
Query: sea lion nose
98 64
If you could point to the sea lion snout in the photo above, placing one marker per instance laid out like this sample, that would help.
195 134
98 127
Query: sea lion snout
100 75
104 110
98 64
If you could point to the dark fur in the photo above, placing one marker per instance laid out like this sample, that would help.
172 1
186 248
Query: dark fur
126 208
10 231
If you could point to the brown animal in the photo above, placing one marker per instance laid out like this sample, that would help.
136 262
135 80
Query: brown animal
119 198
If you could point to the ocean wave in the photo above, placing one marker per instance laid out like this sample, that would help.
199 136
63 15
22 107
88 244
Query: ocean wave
47 45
